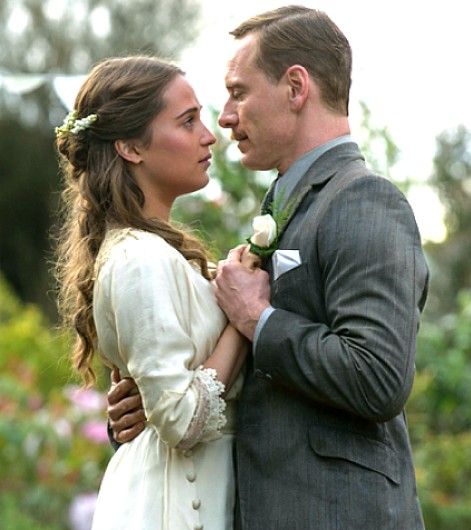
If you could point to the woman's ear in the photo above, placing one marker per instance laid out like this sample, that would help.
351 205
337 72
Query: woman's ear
128 150
298 81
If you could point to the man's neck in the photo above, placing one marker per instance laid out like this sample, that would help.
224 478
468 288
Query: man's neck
314 130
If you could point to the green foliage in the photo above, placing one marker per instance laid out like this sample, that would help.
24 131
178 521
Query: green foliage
13 517
444 365
51 448
28 196
439 413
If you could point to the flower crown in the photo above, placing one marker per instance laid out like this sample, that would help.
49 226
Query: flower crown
73 125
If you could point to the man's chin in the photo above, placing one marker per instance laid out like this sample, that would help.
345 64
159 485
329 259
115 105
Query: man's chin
255 165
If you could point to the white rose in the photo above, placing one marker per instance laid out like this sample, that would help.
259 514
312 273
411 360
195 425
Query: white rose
264 231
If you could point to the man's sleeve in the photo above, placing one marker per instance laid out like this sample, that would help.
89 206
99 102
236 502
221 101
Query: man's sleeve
374 277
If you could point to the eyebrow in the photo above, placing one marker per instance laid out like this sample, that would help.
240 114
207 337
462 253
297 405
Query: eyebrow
189 111
230 85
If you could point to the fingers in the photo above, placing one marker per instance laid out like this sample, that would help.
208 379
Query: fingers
127 427
127 422
121 389
128 434
115 376
235 254
124 407
249 259
221 264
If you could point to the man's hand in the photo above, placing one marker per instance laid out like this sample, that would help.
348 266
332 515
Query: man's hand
241 292
125 411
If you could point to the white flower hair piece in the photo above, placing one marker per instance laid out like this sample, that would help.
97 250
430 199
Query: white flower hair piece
73 125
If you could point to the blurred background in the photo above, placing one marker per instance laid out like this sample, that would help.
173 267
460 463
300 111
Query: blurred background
410 113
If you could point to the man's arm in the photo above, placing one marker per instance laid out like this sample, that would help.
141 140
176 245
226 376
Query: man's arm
373 277
243 293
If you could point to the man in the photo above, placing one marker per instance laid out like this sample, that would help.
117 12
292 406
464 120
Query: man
322 439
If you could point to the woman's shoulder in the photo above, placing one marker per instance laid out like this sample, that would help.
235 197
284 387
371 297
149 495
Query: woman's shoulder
130 245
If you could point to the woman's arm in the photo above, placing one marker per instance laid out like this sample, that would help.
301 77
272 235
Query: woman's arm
228 356
125 409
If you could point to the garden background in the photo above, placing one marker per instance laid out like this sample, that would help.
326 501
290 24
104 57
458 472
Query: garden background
53 445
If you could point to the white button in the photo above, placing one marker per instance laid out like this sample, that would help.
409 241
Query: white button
198 527
187 453
196 504
190 476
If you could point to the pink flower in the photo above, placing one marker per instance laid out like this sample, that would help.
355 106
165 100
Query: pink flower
86 399
95 431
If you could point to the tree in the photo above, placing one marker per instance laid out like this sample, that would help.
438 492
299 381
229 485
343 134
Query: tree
450 263
68 36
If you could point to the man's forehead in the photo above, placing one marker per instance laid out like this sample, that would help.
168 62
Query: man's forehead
241 55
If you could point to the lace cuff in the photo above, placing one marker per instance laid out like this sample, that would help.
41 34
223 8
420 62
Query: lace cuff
209 417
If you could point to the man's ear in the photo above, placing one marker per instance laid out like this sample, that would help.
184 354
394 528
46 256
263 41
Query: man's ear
128 150
298 82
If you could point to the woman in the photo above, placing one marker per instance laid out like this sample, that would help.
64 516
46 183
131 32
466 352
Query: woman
138 290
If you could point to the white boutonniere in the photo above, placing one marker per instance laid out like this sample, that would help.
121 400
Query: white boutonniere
265 232
267 228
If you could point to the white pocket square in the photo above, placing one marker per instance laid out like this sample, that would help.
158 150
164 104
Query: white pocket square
284 260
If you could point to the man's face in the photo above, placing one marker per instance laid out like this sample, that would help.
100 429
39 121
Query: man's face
257 111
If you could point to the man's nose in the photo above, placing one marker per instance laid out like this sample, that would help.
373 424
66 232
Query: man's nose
228 117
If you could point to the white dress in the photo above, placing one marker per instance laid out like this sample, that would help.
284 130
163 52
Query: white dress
157 321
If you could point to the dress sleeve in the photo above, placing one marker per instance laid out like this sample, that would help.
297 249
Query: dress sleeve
150 293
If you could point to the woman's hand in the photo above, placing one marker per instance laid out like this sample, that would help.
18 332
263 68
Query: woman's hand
247 258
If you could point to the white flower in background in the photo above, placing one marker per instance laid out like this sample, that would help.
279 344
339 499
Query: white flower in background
265 231
81 511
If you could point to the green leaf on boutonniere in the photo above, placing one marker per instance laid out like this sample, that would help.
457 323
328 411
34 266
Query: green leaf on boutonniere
263 252
279 213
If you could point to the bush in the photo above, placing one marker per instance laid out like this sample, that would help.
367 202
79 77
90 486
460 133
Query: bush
439 413
53 443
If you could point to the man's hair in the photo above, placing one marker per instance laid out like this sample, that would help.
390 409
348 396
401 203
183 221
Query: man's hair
308 37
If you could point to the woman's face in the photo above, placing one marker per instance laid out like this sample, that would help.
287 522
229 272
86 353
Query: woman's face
177 158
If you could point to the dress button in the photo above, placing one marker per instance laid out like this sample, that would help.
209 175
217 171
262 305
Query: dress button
258 373
187 453
190 476
196 504
198 527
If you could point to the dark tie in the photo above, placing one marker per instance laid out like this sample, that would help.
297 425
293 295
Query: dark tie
269 197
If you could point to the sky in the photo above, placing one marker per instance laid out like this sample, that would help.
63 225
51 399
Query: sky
411 66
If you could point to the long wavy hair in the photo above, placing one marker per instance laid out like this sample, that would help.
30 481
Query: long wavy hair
99 190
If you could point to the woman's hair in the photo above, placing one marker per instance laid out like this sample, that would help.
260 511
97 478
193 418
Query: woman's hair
299 35
99 189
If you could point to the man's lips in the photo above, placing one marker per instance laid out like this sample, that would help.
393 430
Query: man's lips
238 137
207 158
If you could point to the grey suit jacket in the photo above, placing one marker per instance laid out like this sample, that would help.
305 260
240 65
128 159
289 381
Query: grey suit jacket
322 439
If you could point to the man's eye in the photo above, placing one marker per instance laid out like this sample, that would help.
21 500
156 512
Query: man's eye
189 121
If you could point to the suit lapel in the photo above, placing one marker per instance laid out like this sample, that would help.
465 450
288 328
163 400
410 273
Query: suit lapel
318 174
